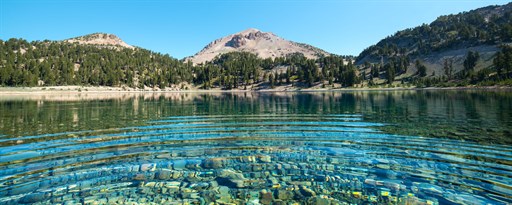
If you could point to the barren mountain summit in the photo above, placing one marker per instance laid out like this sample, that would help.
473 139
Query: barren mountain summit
100 39
264 44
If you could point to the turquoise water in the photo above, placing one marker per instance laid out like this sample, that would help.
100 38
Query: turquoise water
395 147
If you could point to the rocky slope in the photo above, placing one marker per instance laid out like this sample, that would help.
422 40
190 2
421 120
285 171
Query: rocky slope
264 44
100 39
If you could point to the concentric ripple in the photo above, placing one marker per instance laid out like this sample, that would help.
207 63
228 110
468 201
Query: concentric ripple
252 159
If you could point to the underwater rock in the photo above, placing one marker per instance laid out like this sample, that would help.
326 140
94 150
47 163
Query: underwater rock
257 167
464 199
193 164
139 177
179 164
164 174
431 189
176 174
283 194
307 192
370 182
266 197
172 184
213 184
163 156
214 163
319 200
32 198
191 176
223 195
392 185
147 167
135 168
23 188
247 159
199 186
272 181
265 158
208 196
320 178
231 179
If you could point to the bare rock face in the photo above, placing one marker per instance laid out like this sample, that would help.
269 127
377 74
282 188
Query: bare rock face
263 44
100 39
237 41
258 34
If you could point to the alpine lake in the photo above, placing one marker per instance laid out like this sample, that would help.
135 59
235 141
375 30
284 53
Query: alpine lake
350 147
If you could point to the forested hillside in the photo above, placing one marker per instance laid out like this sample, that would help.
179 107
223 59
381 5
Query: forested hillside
458 48
485 26
49 63
60 63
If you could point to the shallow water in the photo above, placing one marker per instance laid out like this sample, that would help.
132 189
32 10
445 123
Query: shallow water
397 147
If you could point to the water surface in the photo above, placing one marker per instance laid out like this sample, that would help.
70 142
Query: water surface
397 147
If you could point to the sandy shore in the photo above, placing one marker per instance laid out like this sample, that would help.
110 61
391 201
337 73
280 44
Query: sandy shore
79 93
287 88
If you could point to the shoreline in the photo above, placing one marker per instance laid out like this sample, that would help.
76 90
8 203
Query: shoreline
113 90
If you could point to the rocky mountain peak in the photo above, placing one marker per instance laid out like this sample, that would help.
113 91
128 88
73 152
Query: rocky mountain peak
100 39
264 44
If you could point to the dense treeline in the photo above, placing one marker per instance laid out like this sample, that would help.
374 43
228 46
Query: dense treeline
229 71
242 69
499 73
55 63
52 63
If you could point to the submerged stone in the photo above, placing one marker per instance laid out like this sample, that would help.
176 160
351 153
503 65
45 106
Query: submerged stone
164 174
23 188
139 177
283 194
214 163
319 200
224 195
307 192
179 164
33 198
265 158
266 197
147 167
231 179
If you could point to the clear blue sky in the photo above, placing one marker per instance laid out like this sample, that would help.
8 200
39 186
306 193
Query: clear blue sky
183 27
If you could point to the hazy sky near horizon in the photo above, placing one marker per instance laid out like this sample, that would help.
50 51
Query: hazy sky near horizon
183 27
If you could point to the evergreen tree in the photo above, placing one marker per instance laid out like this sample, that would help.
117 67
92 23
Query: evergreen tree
422 70
448 68
470 61
503 62
390 73
271 80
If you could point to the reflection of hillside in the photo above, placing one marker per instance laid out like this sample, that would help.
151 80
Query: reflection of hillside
73 96
85 96
458 114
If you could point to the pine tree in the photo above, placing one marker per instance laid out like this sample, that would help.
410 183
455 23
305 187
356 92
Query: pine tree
422 70
448 68
470 62
271 80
